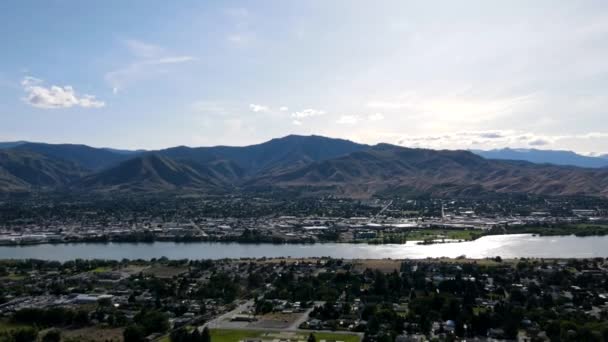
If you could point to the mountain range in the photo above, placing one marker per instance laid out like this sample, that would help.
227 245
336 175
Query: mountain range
306 165
545 157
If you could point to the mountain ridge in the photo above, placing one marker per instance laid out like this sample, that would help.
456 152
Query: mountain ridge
306 165
556 157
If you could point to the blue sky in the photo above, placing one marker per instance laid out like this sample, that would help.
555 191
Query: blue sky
153 74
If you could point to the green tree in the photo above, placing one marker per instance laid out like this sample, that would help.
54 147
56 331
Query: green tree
134 333
206 336
152 321
25 335
53 335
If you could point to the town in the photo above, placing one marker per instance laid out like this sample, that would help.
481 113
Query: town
303 299
273 220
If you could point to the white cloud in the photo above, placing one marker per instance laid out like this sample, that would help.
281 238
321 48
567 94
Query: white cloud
39 96
148 60
497 139
258 108
283 109
306 113
297 122
348 120
170 60
375 117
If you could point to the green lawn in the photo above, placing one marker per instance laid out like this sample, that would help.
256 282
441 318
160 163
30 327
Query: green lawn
226 335
101 269
434 234
15 277
7 325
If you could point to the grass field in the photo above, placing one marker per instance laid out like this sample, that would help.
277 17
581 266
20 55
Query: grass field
443 234
15 277
5 325
426 234
226 335
101 269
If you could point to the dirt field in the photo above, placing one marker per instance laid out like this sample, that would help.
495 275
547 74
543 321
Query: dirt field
94 334
275 321
383 265
161 271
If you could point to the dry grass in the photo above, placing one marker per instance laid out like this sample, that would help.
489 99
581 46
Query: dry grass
382 265
94 334
162 271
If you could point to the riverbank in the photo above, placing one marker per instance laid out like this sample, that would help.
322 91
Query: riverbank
425 236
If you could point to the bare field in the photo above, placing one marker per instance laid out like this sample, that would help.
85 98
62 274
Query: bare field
94 334
162 271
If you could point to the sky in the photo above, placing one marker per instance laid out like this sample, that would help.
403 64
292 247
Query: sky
438 74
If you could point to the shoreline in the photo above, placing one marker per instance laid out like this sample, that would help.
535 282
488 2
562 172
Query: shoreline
423 242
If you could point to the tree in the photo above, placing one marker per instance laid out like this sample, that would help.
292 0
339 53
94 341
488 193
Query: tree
25 335
179 335
134 333
152 321
53 335
195 336
206 336
81 318
312 338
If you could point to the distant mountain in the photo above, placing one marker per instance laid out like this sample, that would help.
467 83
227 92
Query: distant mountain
397 170
24 170
153 172
545 157
218 166
11 144
289 152
94 159
302 165
120 151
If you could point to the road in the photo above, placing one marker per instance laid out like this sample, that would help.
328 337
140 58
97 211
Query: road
304 317
217 322
220 322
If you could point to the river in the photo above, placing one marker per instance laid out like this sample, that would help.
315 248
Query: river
505 246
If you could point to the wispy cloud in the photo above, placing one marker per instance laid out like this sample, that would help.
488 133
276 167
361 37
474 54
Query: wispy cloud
375 117
39 96
348 120
493 139
148 61
258 108
241 33
299 116
307 113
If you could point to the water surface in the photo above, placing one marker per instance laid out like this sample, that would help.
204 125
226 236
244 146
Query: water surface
505 246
